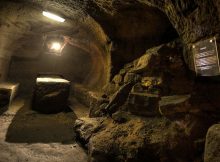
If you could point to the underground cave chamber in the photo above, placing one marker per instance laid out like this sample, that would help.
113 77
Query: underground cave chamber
109 81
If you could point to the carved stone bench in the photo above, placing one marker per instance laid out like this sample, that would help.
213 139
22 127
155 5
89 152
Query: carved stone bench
50 94
8 91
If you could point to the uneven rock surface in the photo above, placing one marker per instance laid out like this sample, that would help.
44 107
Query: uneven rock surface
212 146
119 98
138 139
165 86
161 70
86 127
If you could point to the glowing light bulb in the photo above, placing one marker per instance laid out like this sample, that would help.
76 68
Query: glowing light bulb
53 16
55 46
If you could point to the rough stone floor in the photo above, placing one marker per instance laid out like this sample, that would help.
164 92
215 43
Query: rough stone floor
26 135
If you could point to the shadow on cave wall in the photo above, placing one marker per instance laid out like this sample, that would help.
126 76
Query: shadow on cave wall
133 29
28 126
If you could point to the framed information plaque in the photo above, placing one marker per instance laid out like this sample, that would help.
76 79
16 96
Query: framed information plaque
206 59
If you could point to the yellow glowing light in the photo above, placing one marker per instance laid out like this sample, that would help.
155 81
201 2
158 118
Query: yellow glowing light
55 46
53 16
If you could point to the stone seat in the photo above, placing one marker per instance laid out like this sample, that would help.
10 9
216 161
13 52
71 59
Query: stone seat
143 104
84 95
50 94
91 99
8 92
171 105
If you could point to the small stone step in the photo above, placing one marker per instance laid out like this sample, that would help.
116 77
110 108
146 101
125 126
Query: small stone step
143 104
8 92
170 105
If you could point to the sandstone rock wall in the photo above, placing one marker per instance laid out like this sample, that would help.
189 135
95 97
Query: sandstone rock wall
164 88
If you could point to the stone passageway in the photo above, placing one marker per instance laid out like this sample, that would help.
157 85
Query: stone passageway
110 80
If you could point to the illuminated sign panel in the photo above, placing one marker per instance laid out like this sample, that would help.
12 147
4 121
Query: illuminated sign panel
206 58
